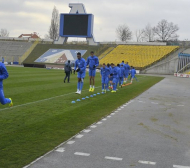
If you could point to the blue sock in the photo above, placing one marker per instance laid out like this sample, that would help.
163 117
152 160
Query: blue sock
81 85
114 87
78 86
102 86
107 86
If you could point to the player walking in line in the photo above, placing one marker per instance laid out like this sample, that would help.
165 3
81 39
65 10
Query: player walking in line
110 78
4 75
127 70
68 71
104 74
118 74
121 75
133 72
93 62
114 74
122 63
80 68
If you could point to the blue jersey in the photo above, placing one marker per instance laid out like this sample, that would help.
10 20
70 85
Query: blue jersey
122 72
133 72
91 61
105 72
114 71
127 68
118 71
80 63
3 74
122 64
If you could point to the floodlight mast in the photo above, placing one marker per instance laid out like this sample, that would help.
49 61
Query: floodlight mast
76 8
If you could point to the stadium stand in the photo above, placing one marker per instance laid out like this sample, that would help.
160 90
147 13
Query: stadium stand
12 50
138 56
40 49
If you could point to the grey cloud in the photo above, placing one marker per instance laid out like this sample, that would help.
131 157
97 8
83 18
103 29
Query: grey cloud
108 15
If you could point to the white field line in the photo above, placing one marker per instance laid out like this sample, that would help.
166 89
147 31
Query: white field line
38 101
8 108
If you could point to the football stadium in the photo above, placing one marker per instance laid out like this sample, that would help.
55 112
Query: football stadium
123 104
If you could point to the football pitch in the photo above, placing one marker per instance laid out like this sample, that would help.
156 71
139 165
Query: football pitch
43 117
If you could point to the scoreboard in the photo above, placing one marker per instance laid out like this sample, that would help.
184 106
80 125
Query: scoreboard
76 25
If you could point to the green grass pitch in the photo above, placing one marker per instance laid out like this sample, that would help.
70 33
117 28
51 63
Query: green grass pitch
43 116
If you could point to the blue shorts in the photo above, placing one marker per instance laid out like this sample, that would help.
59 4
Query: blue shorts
111 78
126 75
132 76
115 80
92 72
81 74
105 79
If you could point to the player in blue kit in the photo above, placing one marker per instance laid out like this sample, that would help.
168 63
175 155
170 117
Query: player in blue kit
133 72
123 63
93 62
80 68
104 74
118 74
114 74
127 70
121 75
110 78
4 75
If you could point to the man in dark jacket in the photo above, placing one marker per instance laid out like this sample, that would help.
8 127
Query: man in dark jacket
68 71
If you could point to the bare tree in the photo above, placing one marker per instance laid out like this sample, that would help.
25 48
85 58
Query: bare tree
166 31
4 33
123 33
139 35
148 33
54 27
46 36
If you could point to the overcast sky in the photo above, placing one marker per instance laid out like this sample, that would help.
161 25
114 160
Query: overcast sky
27 16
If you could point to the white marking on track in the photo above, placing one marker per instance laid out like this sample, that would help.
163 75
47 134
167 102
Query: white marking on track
87 131
82 154
113 158
112 113
122 107
99 122
178 166
70 142
93 126
147 162
109 116
154 103
116 111
60 150
104 119
119 109
79 136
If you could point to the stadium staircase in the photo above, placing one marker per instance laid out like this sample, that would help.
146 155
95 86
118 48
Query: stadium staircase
106 52
28 52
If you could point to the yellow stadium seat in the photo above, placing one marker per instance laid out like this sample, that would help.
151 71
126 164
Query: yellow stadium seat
137 56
